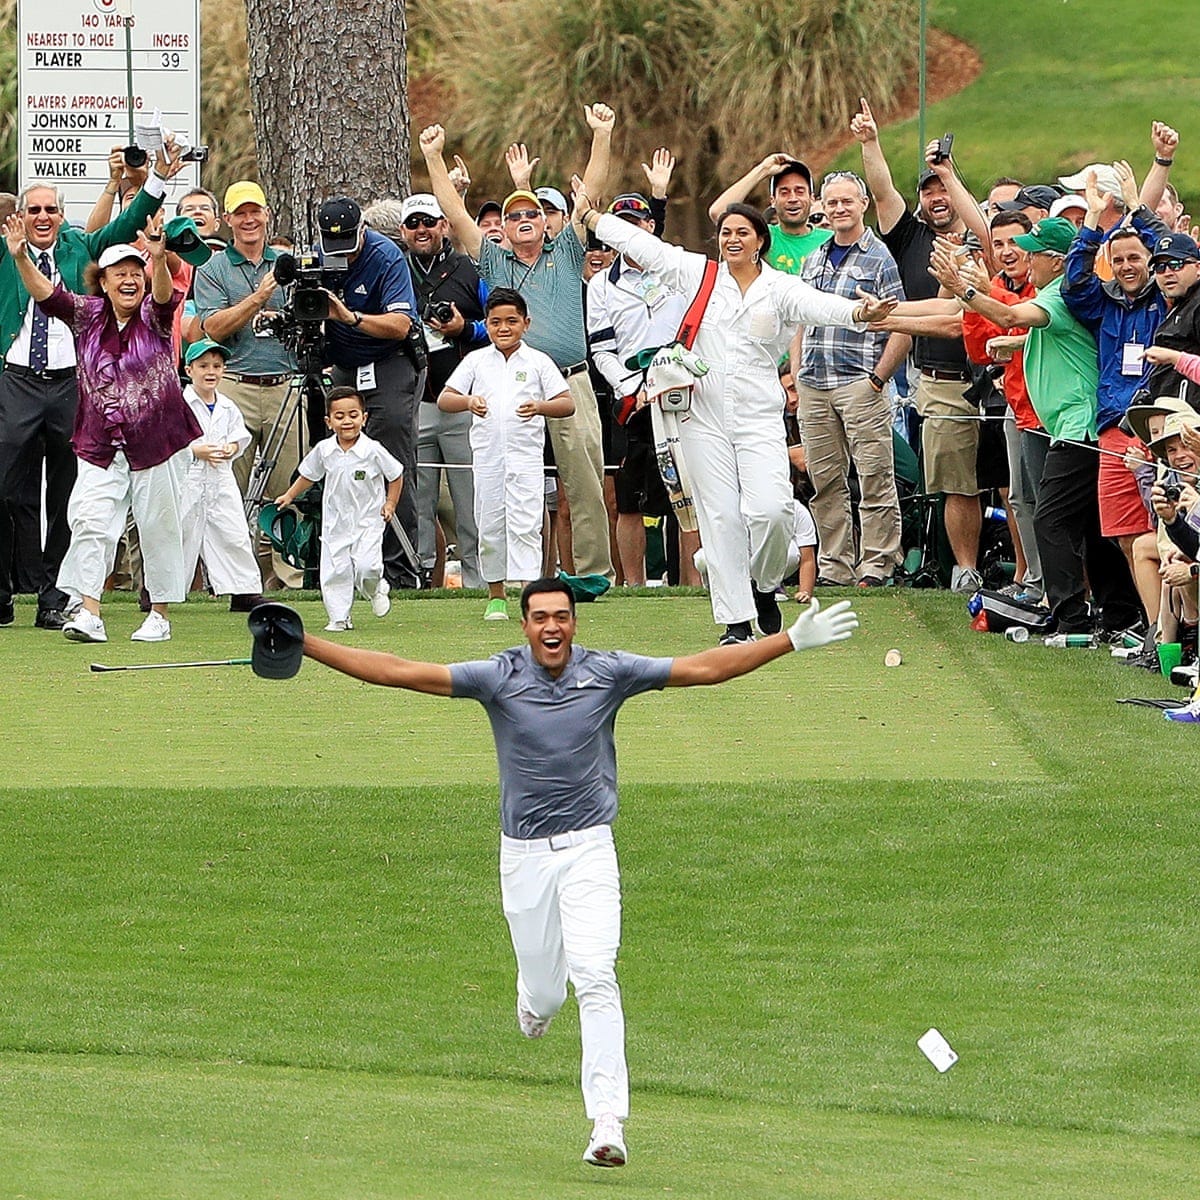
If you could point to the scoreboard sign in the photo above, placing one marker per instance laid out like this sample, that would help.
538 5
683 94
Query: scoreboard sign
74 103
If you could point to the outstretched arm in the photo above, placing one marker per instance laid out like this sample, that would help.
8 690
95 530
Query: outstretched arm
373 666
432 141
600 119
815 627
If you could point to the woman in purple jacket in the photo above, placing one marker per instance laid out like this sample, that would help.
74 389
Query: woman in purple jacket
132 428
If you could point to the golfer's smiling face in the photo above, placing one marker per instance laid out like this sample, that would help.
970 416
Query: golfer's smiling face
550 628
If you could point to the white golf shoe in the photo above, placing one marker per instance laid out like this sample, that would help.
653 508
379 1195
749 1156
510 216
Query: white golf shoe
607 1145
531 1026
381 602
85 626
155 628
339 626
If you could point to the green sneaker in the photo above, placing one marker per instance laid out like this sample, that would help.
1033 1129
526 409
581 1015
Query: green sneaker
497 610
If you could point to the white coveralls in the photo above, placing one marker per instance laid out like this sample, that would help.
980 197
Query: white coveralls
351 517
214 516
732 438
507 454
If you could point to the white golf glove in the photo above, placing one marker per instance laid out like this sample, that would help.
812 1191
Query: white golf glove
816 628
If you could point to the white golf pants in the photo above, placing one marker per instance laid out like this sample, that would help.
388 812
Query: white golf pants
562 901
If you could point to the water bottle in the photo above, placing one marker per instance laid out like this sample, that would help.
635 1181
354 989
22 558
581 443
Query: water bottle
453 573
1071 641
1017 633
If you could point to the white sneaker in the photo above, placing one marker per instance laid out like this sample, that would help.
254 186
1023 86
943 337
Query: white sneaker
85 626
339 626
966 581
155 628
381 602
531 1026
607 1145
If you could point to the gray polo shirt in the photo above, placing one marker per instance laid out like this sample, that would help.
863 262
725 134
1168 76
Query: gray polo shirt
227 279
554 737
553 289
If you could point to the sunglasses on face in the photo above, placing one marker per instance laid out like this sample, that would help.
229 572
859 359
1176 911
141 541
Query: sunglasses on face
51 210
420 222
817 218
1168 264
523 214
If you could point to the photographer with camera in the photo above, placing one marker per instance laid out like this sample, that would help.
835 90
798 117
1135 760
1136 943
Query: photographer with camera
373 343
233 290
452 296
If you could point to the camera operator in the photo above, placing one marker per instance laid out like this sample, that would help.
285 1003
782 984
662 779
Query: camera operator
232 290
373 343
451 296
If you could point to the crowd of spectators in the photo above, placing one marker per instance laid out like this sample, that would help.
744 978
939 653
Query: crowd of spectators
1034 349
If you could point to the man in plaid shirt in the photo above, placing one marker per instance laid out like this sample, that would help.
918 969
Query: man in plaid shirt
844 415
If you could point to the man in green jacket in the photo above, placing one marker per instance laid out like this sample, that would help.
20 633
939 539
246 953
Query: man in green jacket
37 360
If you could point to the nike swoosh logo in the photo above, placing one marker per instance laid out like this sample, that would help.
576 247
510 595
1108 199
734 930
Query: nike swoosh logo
582 683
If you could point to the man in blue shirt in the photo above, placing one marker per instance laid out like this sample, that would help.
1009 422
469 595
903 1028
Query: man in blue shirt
552 706
369 343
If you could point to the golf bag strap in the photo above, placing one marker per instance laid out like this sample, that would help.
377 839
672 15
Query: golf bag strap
690 324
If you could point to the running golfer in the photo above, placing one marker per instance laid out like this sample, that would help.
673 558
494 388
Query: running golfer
552 706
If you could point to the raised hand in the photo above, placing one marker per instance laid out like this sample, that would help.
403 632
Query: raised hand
600 117
659 171
1129 187
520 166
153 233
1164 140
460 177
14 235
862 124
432 140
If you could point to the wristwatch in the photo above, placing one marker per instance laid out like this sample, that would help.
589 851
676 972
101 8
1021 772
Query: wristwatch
357 319
969 295
875 381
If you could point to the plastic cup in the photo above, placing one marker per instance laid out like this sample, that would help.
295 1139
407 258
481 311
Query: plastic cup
1170 654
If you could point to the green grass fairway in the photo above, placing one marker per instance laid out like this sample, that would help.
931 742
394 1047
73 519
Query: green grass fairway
251 942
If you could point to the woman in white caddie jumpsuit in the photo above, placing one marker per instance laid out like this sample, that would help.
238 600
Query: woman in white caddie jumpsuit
732 437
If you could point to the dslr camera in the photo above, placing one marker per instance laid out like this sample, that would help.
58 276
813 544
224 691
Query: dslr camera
1171 492
441 311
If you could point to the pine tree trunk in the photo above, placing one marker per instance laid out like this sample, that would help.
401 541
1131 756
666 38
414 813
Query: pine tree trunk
329 83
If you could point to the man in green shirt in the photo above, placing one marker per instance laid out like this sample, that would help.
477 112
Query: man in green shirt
793 239
1062 372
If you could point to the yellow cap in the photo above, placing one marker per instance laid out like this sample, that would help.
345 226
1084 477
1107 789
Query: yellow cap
244 192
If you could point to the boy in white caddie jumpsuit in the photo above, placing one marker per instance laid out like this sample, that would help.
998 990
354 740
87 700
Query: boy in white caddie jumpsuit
510 388
214 515
732 439
357 471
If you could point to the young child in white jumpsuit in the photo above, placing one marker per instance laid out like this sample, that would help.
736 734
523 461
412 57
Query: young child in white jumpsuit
510 388
214 515
358 472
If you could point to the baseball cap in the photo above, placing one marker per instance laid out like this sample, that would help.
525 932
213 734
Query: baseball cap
278 634
119 253
246 191
1106 179
926 176
552 197
488 206
1063 203
1037 195
513 197
631 206
183 238
794 167
1175 245
203 346
1050 233
420 203
339 220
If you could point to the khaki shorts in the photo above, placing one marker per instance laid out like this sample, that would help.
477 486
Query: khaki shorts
949 446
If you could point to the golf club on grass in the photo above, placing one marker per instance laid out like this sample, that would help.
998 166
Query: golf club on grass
220 662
